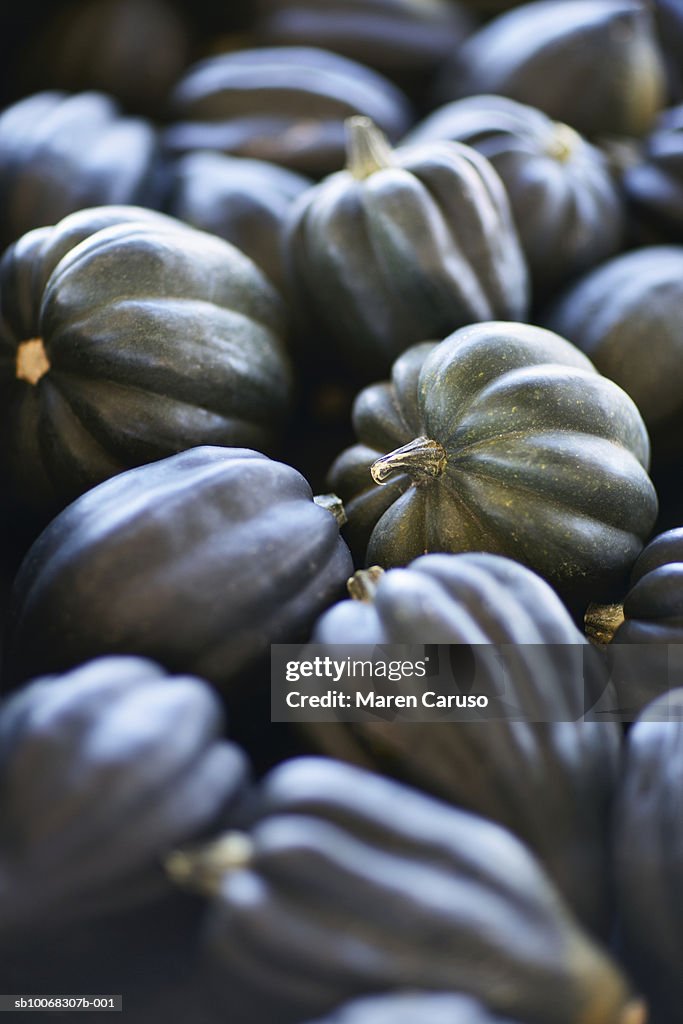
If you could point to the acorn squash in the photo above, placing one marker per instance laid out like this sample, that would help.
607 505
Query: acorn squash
404 245
565 203
93 794
592 64
648 855
348 883
502 438
126 336
403 39
413 1008
199 561
625 315
283 104
652 178
246 202
552 680
61 153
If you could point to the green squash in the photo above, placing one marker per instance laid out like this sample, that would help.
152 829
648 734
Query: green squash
648 856
592 64
284 104
412 1008
502 438
625 315
60 153
126 336
246 202
349 884
403 39
199 561
131 49
93 794
645 633
652 177
404 245
549 776
565 202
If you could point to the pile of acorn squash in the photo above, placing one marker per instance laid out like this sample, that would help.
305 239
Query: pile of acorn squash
343 322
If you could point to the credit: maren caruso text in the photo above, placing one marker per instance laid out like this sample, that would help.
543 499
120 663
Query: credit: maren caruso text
370 699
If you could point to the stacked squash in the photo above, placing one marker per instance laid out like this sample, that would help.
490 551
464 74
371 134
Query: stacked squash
383 294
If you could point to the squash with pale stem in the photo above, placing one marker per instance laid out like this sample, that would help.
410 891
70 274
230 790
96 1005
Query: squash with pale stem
502 438
404 245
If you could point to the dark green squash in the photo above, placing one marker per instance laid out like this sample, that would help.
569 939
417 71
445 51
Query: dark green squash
669 19
92 793
626 317
648 856
283 104
566 206
132 49
199 561
412 1008
348 883
549 775
652 178
404 245
60 153
244 201
126 336
502 438
651 618
403 39
592 64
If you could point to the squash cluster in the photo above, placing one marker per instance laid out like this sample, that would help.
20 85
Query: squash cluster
342 322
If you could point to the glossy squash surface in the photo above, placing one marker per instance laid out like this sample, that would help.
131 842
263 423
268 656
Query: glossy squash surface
502 438
125 337
199 561
404 245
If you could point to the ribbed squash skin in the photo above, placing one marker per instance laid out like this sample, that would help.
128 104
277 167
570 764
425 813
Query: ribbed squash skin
545 460
433 1008
282 104
653 606
93 793
158 338
565 203
593 64
653 178
569 766
338 851
132 49
244 201
61 153
648 855
199 561
625 315
412 251
400 38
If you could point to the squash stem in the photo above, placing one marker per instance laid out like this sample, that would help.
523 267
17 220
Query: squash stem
601 622
362 586
562 142
422 459
367 149
333 504
32 362
203 868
